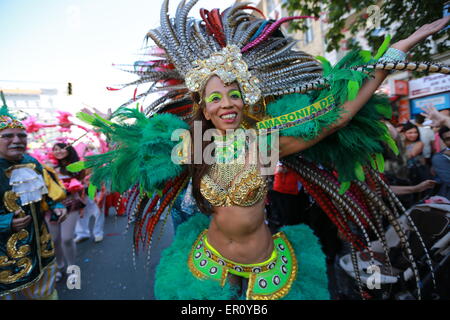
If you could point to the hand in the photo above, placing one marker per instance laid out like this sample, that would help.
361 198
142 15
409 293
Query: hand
433 114
61 213
422 33
20 223
424 185
106 115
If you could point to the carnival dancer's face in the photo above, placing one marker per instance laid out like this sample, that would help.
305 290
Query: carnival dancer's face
223 104
13 144
60 153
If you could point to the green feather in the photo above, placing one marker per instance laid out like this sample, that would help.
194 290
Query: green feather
102 119
353 88
4 108
142 154
90 119
365 55
373 163
380 162
4 103
326 65
76 166
92 190
344 187
391 143
359 172
384 46
385 110
4 111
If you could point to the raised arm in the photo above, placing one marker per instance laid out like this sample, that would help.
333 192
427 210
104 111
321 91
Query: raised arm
438 118
290 145
416 150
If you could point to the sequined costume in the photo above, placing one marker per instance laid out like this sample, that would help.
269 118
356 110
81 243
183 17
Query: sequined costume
304 280
234 183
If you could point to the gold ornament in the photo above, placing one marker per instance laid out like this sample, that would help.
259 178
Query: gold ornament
229 66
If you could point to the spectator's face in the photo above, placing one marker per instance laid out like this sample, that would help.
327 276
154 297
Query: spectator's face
411 135
60 153
446 138
13 143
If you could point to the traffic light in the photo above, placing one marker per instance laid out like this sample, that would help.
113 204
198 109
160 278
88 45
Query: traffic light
69 88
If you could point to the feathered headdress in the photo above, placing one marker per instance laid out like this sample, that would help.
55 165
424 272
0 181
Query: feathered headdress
7 120
277 81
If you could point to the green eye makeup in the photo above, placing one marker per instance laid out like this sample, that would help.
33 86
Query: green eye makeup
213 96
235 93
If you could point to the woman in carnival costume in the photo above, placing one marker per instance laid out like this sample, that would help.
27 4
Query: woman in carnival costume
235 70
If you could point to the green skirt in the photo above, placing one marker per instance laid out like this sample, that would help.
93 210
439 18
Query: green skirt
175 281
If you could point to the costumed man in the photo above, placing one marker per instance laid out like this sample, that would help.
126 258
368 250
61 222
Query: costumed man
231 71
27 191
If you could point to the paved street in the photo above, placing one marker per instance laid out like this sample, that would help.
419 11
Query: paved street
107 270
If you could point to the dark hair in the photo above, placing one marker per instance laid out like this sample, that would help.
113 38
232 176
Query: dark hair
71 157
401 125
420 118
199 170
409 126
442 131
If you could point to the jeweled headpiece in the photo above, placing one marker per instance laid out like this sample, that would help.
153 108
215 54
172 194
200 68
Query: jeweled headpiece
7 120
229 66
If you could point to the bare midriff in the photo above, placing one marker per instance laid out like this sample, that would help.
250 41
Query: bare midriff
240 234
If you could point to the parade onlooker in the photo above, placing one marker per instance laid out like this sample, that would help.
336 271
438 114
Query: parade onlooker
438 144
414 148
92 209
27 267
441 164
395 164
284 196
424 185
440 119
427 137
63 233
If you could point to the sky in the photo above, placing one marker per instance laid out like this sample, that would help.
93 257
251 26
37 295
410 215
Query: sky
78 41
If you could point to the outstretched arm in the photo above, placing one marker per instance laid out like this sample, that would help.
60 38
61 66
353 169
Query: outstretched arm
290 145
438 118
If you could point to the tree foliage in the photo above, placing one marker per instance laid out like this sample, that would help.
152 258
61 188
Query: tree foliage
399 18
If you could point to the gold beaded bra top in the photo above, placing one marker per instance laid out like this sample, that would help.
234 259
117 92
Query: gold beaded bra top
226 185
231 181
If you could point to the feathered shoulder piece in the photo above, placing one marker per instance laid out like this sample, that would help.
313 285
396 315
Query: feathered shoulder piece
360 143
141 154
